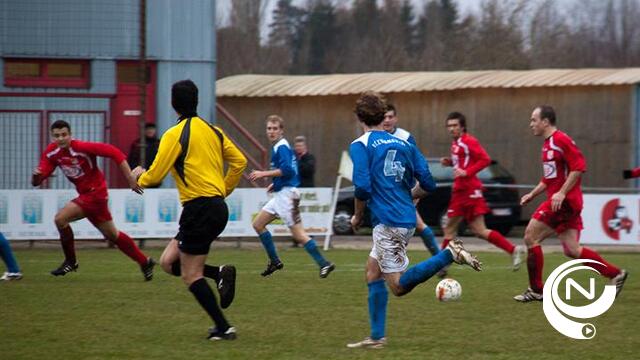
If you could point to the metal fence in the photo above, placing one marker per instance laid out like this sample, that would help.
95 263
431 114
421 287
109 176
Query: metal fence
26 134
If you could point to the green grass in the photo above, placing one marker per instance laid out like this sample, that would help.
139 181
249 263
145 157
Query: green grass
106 311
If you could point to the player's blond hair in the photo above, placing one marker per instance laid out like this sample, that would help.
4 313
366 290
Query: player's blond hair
276 119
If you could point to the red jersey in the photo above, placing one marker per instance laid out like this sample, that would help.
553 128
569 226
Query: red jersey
560 156
78 163
467 154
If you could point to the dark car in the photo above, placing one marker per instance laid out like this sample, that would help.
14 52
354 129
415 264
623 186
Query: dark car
503 202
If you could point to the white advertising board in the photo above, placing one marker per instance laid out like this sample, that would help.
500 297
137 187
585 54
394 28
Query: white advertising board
611 219
29 214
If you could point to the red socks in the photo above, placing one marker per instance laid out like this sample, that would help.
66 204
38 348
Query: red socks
68 247
535 262
445 242
127 246
608 270
498 240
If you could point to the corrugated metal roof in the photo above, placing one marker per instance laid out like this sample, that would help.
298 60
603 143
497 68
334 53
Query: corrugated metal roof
393 82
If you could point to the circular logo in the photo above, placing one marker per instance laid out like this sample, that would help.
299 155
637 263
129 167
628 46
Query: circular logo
558 312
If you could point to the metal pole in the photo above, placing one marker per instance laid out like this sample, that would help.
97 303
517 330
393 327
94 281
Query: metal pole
142 80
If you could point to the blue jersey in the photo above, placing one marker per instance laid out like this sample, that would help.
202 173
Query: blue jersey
282 158
384 172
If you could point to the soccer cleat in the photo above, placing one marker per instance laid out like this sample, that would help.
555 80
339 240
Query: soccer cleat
215 334
517 256
528 296
619 280
462 256
272 267
369 343
327 269
147 269
64 268
9 276
227 285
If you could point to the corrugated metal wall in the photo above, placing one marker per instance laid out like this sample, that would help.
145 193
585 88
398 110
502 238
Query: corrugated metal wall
69 28
598 118
182 38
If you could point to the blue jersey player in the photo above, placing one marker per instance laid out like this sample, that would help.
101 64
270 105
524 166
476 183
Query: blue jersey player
285 201
384 173
422 229
13 270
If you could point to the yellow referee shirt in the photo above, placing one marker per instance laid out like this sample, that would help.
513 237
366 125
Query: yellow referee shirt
195 152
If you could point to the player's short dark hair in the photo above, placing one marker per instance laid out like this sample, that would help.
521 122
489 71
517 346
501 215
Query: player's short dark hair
547 112
60 124
370 108
460 117
149 125
184 98
300 139
390 107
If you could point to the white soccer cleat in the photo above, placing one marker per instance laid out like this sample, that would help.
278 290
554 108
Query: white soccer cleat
619 280
518 255
8 276
528 296
369 343
462 256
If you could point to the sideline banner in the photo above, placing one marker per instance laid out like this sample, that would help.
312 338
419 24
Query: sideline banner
29 214
611 219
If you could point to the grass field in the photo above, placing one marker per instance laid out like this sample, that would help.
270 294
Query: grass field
106 311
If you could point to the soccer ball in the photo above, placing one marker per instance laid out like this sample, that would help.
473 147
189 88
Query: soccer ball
448 290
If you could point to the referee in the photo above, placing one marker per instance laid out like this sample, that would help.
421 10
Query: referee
195 152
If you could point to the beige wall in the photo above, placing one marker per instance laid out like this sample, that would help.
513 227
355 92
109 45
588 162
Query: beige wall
598 118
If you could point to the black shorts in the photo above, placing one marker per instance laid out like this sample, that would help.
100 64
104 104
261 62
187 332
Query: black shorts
202 220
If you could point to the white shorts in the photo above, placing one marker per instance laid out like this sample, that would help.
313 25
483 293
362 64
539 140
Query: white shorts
285 205
390 247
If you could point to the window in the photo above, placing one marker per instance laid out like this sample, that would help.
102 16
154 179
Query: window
46 73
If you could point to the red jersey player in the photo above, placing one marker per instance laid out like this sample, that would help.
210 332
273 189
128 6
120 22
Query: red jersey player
563 165
77 160
467 203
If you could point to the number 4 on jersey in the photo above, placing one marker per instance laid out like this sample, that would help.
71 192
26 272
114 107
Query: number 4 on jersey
393 168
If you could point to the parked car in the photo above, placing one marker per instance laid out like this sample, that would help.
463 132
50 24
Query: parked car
503 202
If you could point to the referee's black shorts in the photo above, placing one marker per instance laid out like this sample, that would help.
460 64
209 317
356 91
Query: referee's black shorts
202 220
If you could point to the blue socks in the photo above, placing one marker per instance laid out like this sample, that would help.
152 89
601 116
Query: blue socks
378 297
429 241
7 255
267 242
422 271
312 249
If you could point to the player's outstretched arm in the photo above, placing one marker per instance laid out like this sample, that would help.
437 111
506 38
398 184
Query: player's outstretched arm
422 172
132 179
480 157
236 161
168 151
631 173
44 169
533 193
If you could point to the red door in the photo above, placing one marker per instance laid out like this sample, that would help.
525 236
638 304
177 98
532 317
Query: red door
126 109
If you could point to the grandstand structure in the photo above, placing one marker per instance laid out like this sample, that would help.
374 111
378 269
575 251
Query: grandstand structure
600 108
105 66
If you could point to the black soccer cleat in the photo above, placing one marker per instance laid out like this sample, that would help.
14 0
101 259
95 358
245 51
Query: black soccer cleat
326 270
227 285
64 268
147 270
272 267
215 334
